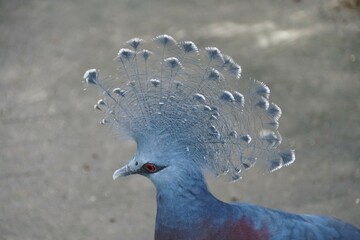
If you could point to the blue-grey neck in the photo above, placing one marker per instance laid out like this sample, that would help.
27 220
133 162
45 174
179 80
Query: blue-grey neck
184 200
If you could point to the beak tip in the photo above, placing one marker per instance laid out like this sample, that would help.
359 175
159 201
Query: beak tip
116 175
124 171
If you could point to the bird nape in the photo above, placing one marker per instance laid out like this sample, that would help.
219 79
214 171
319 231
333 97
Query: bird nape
188 111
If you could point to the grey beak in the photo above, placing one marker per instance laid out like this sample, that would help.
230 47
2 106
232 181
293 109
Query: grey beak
124 171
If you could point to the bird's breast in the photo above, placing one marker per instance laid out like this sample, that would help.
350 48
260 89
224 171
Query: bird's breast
241 229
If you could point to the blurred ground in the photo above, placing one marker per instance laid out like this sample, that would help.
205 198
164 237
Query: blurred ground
56 162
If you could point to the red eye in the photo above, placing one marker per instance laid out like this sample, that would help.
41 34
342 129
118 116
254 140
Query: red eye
150 167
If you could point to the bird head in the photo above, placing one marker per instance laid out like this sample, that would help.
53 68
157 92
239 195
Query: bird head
173 100
162 162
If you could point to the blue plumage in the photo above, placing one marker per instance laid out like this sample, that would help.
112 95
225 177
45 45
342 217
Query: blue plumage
189 111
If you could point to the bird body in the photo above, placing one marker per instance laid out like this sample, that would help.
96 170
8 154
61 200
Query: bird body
190 211
175 102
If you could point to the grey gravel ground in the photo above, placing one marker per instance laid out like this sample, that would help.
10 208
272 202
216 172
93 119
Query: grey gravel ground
56 162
